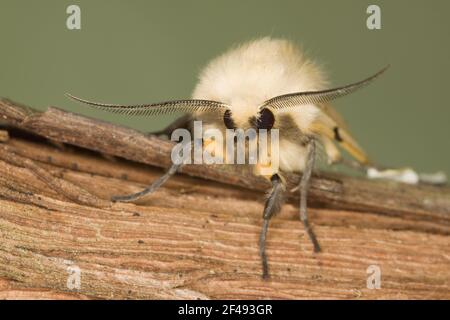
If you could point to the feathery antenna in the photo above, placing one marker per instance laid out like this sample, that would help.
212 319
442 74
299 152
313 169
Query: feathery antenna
186 106
291 100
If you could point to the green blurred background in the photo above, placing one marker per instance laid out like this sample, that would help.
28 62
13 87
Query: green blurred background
148 51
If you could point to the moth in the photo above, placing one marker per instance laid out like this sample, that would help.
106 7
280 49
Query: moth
264 84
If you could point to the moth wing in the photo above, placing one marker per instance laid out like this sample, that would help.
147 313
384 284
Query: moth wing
331 128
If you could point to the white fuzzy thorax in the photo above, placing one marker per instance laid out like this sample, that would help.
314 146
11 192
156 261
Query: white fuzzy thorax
246 76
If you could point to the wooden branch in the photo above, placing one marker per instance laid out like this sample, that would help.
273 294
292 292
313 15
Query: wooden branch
330 190
197 238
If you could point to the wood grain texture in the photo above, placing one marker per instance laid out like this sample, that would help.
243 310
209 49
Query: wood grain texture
195 237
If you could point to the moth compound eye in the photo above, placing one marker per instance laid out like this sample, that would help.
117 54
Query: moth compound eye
265 119
228 120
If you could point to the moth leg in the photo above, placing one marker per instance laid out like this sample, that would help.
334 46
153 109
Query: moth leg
272 206
151 188
304 186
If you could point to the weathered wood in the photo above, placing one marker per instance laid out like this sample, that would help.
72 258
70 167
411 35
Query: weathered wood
4 136
196 238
